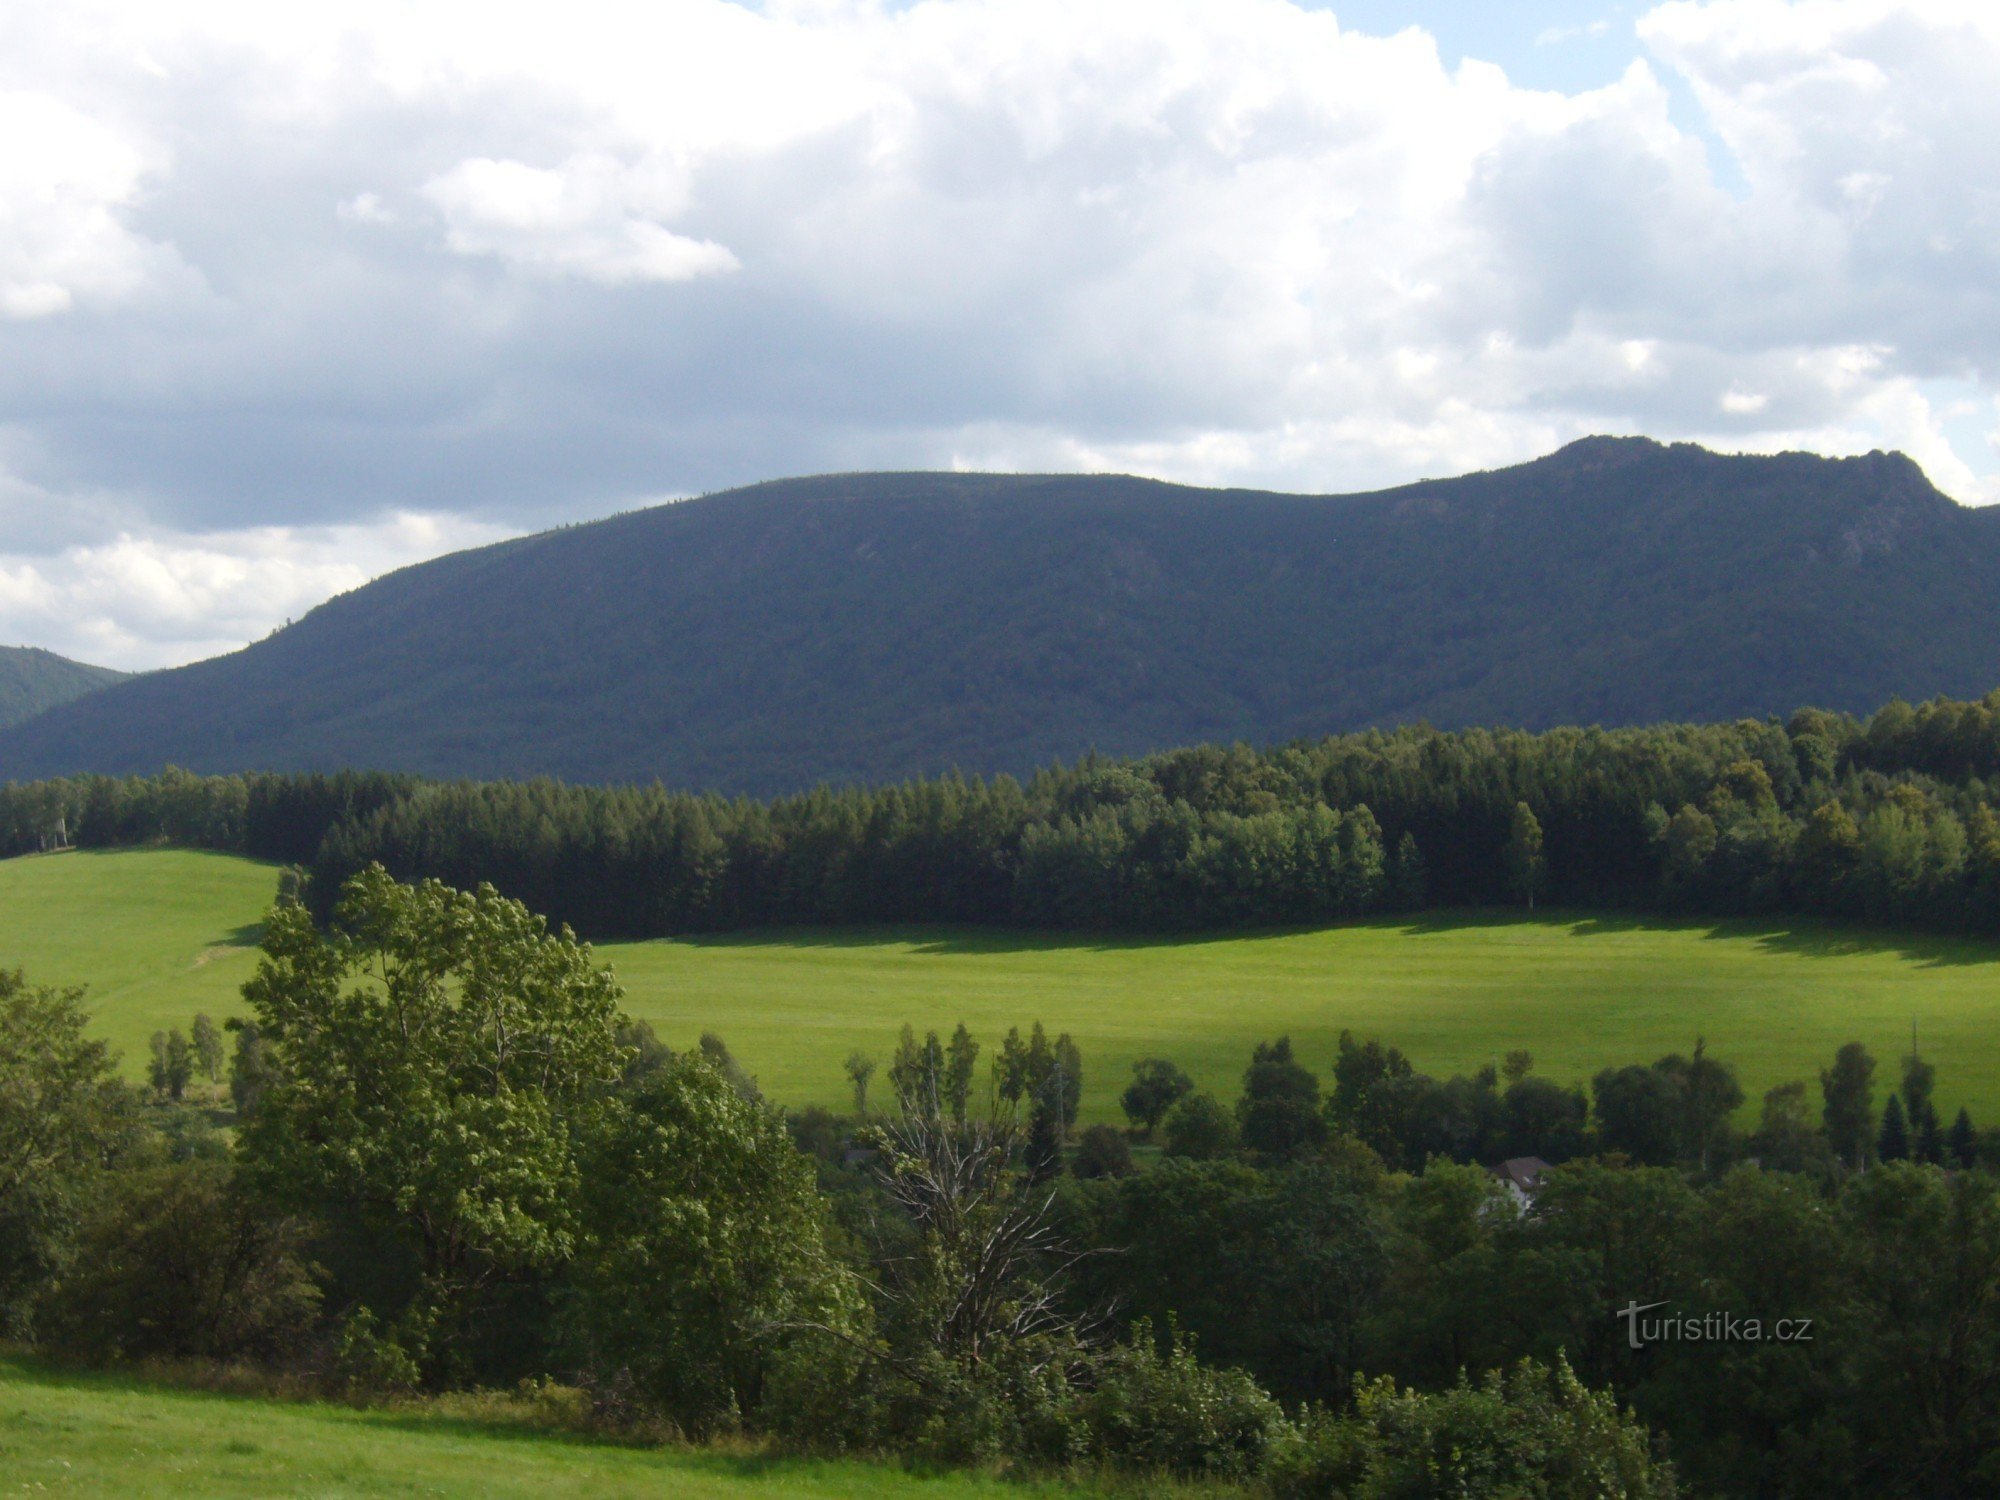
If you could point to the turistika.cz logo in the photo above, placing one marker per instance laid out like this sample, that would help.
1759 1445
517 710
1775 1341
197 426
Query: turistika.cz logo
1708 1328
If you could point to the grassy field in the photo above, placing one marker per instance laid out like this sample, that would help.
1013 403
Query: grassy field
73 1434
159 934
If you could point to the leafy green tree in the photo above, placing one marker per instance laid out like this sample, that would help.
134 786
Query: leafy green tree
207 1043
1540 1117
61 1115
432 1059
1920 1323
1848 1089
1640 1111
1325 1249
860 1068
1101 1151
702 1246
1370 1097
1156 1087
1787 1138
172 1067
1709 1096
1526 864
249 1065
1012 1077
1687 844
1893 1144
1200 1129
1278 1114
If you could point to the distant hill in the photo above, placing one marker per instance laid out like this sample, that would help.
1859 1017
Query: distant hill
33 680
872 626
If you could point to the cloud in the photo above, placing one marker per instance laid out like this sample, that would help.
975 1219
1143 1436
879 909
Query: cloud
302 267
65 179
147 600
572 220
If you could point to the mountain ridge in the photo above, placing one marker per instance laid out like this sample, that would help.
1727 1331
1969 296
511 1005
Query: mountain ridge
33 680
867 627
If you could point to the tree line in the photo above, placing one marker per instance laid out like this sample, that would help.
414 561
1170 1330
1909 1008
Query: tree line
1890 819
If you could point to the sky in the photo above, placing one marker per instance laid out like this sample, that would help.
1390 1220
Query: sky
291 295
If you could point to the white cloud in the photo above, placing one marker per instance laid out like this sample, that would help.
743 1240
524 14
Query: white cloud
576 220
302 265
157 599
64 181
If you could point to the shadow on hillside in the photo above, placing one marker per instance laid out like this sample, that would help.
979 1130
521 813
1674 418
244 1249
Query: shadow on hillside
249 935
1800 937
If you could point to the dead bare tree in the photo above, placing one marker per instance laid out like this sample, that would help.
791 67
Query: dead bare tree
989 1263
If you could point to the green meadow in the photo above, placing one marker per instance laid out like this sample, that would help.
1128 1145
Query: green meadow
159 934
66 1433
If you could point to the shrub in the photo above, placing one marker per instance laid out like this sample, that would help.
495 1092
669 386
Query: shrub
704 1245
1167 1411
174 1261
1201 1129
1102 1152
1532 1431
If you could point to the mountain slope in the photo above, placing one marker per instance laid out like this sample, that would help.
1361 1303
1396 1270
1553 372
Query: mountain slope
33 680
872 626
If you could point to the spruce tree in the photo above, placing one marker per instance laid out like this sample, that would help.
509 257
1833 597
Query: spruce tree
1962 1142
1894 1142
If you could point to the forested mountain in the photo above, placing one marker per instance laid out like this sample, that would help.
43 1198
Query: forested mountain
873 627
33 680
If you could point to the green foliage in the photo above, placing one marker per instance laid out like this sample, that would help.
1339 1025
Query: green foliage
1848 1089
1200 1129
1530 1431
1102 1151
1710 818
60 1116
1893 1144
206 1042
1161 1410
176 1261
173 1065
1157 1086
431 1062
1527 866
1278 1113
703 1246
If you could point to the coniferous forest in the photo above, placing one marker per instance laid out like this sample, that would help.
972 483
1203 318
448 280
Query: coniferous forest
1893 818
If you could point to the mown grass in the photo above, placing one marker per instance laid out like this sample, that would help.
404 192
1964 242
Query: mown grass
151 932
63 1432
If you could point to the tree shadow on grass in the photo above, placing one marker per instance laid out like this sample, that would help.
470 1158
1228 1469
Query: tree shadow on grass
248 935
1800 937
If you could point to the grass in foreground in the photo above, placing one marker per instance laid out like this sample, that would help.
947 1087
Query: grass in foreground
86 1434
158 934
